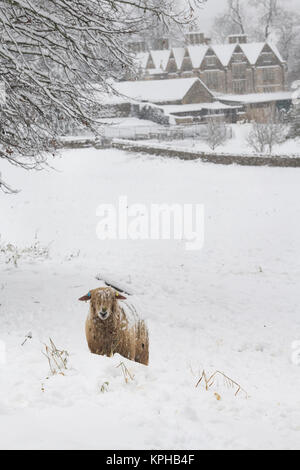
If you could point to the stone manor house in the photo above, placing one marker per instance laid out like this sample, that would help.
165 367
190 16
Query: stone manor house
237 81
238 67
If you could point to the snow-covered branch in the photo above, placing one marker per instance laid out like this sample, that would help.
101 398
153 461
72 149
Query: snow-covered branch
54 52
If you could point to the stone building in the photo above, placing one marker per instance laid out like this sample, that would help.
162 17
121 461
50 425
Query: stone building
238 67
184 100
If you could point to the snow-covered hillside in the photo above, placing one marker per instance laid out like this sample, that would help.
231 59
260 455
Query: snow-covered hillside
233 307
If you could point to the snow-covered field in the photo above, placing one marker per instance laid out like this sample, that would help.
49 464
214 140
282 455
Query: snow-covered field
233 307
238 144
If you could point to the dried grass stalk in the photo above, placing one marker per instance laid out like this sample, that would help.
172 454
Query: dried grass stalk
57 359
209 382
127 375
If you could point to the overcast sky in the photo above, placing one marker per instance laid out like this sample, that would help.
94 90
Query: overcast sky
213 7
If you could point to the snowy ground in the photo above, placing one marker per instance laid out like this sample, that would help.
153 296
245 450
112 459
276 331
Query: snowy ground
234 307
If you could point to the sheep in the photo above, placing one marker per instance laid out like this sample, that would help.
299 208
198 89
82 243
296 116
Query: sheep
114 328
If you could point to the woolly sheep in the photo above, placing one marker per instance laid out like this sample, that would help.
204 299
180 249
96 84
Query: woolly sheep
112 327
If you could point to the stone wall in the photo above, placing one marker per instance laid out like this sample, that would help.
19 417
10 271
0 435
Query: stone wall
218 158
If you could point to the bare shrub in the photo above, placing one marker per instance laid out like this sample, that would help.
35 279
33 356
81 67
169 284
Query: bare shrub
216 133
263 136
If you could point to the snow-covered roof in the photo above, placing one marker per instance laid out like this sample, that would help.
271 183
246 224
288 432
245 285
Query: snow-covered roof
160 58
257 97
197 54
224 52
156 91
185 108
179 53
142 59
276 51
252 51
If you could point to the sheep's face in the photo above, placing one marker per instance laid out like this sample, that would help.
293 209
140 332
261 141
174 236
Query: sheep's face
103 301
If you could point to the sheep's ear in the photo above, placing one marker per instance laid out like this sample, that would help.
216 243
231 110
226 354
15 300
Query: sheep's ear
85 298
120 296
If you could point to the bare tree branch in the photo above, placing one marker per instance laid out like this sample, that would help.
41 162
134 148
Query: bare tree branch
54 53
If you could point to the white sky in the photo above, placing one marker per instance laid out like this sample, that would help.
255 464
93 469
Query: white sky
213 7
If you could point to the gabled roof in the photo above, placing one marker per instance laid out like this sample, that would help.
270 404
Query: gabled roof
179 53
276 51
252 51
160 58
197 54
141 59
157 91
224 52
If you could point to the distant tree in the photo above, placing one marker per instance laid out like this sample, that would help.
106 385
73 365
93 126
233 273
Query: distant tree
232 21
267 14
222 27
237 14
51 54
288 34
216 132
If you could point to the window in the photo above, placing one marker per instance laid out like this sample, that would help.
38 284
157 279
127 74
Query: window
212 79
239 71
210 61
238 57
269 75
267 89
267 57
239 87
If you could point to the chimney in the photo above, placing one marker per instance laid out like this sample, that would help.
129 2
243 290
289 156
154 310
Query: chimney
195 38
238 39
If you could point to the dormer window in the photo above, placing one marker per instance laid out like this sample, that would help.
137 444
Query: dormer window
238 57
210 61
267 57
